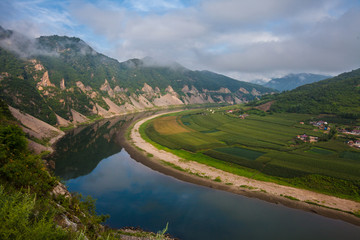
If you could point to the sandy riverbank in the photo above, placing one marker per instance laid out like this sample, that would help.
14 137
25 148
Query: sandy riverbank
237 184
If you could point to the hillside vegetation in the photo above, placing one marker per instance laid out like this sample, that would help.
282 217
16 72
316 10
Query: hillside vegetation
339 95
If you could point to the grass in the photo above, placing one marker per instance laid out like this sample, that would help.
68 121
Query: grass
260 147
290 197
217 179
173 166
248 187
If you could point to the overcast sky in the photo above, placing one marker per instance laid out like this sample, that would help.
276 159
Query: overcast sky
245 39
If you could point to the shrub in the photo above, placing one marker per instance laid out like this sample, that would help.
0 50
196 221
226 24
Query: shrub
20 219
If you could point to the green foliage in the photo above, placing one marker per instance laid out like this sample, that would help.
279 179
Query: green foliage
331 185
338 95
11 64
27 209
23 95
161 234
290 197
21 218
217 179
12 142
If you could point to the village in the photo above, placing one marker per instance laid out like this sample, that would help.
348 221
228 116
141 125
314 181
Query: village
323 125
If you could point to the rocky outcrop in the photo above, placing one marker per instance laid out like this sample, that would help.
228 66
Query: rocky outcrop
185 89
243 90
37 65
224 90
147 89
82 87
255 92
38 148
136 104
45 82
170 90
219 98
78 117
113 108
60 189
167 100
210 100
237 100
100 111
194 99
62 84
145 102
61 121
106 88
35 127
118 89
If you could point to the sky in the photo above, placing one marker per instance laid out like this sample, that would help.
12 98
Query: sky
243 39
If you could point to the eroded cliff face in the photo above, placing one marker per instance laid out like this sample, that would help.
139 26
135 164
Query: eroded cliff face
107 101
73 102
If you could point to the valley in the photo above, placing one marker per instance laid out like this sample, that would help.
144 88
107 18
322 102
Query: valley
298 148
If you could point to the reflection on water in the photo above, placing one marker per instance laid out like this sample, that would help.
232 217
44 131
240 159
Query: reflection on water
135 195
83 148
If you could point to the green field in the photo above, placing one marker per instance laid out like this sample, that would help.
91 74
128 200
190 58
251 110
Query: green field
265 146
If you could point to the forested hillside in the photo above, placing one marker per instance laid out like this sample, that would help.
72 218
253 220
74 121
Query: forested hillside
339 95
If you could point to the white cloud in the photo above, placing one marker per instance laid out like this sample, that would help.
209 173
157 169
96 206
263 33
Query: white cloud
243 38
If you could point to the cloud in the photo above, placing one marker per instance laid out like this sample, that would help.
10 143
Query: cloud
327 47
245 39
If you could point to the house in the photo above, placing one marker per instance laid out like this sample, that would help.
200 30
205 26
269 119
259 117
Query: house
313 139
354 143
306 138
355 132
303 137
243 116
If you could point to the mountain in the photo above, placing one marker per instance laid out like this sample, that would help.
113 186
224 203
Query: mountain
62 80
293 81
338 95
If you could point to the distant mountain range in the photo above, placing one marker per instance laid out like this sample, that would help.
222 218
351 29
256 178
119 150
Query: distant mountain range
62 80
292 81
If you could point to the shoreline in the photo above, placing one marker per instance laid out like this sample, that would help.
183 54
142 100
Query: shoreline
324 205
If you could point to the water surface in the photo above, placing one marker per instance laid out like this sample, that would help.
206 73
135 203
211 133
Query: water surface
94 163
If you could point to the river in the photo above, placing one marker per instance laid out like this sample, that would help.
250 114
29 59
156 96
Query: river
92 161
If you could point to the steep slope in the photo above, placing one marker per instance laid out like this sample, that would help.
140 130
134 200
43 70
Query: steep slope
293 81
339 95
62 80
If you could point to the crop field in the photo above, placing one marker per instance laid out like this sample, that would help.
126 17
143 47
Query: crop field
240 152
266 144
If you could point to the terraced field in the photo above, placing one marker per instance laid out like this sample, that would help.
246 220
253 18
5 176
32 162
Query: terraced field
265 146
